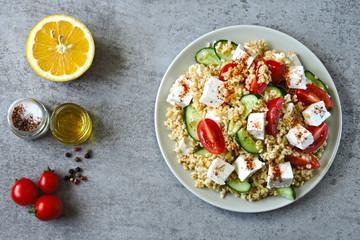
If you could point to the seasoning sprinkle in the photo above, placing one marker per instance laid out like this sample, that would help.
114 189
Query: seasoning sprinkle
77 149
76 181
22 122
77 175
77 159
66 178
78 169
67 154
71 179
71 171
83 178
87 155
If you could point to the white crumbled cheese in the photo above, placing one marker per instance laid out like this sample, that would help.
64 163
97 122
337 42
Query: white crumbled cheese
185 146
295 59
246 165
256 125
280 175
300 137
315 114
180 93
295 77
211 95
219 171
214 115
197 68
241 55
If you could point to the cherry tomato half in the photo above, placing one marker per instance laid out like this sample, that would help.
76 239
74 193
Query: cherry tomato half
277 70
319 133
273 115
301 160
24 192
313 94
225 69
48 181
48 207
211 136
255 87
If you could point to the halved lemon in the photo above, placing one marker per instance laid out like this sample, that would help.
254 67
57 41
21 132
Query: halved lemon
60 48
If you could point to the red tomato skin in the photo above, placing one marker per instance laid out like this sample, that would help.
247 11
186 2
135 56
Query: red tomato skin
301 162
320 134
211 136
48 182
273 115
277 70
225 69
48 207
255 87
24 192
313 94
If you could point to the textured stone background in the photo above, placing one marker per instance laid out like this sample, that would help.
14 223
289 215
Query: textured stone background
131 193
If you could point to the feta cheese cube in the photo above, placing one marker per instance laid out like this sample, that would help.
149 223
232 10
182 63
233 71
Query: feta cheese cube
315 114
295 77
246 165
219 171
241 55
211 95
280 175
256 125
295 59
185 146
180 93
300 137
214 115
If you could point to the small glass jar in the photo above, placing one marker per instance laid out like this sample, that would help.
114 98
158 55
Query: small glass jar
70 124
28 118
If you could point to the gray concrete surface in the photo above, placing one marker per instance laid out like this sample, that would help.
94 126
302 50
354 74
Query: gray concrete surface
131 193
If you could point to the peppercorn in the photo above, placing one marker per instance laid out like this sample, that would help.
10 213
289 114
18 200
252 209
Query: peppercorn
71 171
83 178
87 155
78 169
77 159
71 179
77 175
76 181
88 151
69 175
67 154
77 149
66 178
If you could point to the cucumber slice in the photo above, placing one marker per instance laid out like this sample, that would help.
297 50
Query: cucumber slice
246 141
201 151
233 127
316 81
239 186
249 101
228 55
287 192
278 91
192 119
207 56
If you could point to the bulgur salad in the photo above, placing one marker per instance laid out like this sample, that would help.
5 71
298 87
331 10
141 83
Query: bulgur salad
248 120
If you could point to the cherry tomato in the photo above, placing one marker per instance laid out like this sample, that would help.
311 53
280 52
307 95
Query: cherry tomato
319 133
313 94
211 136
301 160
24 192
255 87
225 69
48 181
277 70
273 115
48 207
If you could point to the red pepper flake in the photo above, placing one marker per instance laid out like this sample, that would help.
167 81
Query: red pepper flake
77 149
83 178
276 172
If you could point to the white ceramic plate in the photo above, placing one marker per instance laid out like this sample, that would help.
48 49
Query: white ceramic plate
275 40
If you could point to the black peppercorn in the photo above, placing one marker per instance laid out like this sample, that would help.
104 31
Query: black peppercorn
66 178
71 171
67 154
77 159
78 169
87 155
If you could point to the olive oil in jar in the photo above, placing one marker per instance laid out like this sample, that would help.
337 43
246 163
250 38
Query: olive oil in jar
70 124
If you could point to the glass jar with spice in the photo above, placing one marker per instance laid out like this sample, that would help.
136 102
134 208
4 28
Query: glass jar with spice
28 118
70 124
